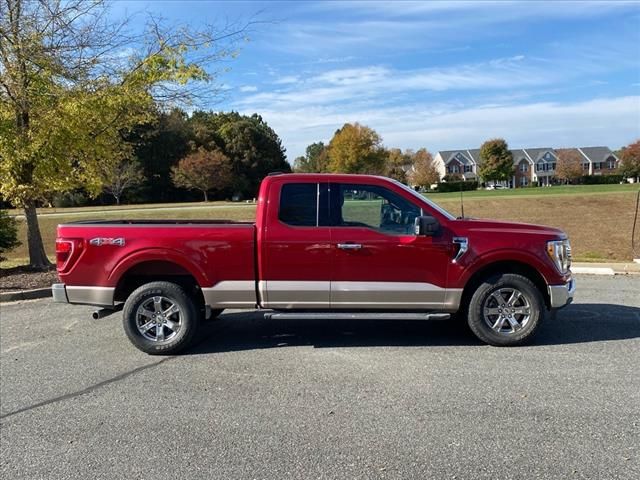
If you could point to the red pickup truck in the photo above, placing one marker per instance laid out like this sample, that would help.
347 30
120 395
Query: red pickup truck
339 246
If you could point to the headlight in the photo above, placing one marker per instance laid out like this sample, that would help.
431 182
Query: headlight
560 253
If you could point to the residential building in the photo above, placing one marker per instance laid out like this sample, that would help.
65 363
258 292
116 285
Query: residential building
531 165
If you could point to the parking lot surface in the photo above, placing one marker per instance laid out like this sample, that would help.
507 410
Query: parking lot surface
318 399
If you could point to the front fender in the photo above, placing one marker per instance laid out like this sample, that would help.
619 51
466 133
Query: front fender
475 263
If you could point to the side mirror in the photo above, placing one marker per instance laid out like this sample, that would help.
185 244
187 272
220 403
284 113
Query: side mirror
426 225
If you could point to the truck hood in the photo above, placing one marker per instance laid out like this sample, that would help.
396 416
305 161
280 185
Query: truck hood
497 226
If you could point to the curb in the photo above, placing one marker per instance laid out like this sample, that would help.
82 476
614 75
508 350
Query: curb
25 295
593 270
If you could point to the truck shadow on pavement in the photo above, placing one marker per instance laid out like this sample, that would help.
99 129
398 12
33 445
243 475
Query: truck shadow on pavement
580 323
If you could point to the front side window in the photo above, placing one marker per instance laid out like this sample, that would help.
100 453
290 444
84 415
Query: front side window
371 206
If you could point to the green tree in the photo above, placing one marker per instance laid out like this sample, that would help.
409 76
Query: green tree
72 83
254 148
496 161
159 145
630 160
203 170
8 233
423 172
356 148
315 159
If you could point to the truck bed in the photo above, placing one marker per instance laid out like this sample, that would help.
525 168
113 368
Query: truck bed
211 251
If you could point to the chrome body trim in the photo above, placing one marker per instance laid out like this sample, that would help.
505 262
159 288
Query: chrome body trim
463 243
231 294
59 293
562 295
102 296
356 316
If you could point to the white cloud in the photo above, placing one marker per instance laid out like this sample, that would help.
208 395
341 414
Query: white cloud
607 121
287 79
248 88
377 83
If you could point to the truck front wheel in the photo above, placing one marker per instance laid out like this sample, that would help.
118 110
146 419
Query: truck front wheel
160 318
506 310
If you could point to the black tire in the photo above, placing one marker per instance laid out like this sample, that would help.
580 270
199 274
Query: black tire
167 341
508 327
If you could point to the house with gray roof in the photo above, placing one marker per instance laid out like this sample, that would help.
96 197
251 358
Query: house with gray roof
531 165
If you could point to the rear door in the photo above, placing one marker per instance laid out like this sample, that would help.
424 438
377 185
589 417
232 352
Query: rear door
378 261
296 251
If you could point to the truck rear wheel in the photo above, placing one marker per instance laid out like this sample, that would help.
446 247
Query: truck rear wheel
160 318
506 310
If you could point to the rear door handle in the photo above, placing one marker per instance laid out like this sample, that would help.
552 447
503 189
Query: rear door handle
349 246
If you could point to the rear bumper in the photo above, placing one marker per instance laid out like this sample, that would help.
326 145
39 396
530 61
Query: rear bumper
562 295
59 293
99 296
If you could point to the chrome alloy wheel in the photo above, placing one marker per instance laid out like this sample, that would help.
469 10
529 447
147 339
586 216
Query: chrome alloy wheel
506 310
158 319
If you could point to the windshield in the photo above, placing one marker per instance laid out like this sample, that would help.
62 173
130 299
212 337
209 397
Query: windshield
435 206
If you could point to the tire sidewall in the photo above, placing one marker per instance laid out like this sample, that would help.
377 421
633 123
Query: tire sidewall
476 315
189 318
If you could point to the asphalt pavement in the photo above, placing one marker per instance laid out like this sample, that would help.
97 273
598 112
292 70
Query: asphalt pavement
279 399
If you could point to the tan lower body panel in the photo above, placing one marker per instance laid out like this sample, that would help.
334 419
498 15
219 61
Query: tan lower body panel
281 294
91 295
231 294
355 295
293 294
393 295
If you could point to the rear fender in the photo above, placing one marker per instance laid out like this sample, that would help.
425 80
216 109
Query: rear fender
158 254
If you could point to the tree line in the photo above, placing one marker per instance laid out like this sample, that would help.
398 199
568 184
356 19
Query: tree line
356 148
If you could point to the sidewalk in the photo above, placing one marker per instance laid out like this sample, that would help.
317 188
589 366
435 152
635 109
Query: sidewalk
605 268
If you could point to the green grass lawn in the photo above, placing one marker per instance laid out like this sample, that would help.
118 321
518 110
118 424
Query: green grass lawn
598 218
540 191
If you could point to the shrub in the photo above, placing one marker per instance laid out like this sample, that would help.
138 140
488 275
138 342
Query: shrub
8 233
70 199
601 179
457 186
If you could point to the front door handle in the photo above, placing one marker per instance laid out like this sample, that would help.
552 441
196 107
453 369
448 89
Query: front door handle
349 246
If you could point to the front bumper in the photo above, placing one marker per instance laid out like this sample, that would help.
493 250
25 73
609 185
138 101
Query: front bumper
99 296
562 295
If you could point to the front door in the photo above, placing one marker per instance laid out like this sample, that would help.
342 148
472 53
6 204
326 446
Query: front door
295 256
378 261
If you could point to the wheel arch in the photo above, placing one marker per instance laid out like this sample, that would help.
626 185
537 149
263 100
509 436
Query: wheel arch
153 270
501 267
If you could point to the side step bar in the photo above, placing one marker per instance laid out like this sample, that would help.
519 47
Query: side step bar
355 316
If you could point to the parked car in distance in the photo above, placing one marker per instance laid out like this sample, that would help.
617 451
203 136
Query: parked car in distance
322 246
496 187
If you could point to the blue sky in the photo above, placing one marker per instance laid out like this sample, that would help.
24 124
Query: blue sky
439 75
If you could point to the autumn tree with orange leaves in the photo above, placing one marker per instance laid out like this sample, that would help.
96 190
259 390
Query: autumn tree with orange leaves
630 160
569 165
204 170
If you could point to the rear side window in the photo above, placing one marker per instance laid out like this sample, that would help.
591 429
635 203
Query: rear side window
299 204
